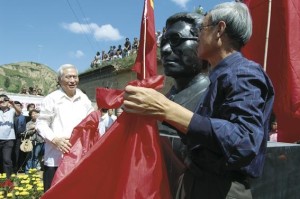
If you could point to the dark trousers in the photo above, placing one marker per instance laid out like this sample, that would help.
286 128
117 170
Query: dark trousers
19 157
48 176
211 186
6 148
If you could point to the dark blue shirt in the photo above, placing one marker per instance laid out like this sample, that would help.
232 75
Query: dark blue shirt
229 129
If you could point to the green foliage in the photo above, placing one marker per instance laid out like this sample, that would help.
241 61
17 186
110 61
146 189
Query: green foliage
29 74
6 82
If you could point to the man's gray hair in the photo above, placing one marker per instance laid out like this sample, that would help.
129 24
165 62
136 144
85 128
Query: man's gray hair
238 21
60 71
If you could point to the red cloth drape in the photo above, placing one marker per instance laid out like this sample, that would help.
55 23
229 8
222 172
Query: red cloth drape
125 163
84 136
283 63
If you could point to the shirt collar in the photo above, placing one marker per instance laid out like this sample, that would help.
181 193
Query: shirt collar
62 94
223 65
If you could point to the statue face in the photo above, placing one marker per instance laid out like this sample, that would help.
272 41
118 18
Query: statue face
179 51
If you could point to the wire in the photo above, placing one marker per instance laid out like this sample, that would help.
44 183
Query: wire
92 47
85 19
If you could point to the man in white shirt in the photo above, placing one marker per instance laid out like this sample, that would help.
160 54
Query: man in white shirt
60 112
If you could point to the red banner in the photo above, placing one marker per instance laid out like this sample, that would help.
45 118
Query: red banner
283 58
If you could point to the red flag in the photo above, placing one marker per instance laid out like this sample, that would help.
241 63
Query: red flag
283 58
146 60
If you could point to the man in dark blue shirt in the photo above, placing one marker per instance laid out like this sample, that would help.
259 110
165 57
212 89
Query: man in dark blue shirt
227 134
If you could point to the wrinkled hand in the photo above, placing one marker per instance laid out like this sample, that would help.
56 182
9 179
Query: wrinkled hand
63 144
145 101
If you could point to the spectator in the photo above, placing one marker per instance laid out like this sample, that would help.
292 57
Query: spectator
273 128
112 115
105 56
114 55
24 90
226 135
111 52
105 121
19 127
119 52
158 38
127 48
119 111
40 92
30 90
34 91
61 111
37 140
135 45
29 107
97 60
7 135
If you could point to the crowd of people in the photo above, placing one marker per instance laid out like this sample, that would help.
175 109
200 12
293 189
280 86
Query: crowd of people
116 53
32 91
121 52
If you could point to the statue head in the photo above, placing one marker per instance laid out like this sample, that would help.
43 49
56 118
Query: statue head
179 46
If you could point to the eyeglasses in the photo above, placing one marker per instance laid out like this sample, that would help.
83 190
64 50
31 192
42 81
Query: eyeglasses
176 38
201 27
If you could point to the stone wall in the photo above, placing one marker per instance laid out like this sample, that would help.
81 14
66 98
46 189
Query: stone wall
112 77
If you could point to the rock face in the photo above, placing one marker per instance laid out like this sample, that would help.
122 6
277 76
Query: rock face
15 76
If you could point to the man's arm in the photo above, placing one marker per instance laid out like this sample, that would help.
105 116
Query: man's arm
45 118
236 129
17 108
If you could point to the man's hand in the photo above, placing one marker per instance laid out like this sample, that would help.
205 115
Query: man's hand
149 102
145 101
62 144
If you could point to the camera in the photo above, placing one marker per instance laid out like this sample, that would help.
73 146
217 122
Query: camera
4 100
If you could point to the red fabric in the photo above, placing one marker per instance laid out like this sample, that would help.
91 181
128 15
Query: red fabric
83 137
125 163
146 60
283 63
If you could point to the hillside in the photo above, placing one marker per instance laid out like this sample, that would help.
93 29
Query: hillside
15 76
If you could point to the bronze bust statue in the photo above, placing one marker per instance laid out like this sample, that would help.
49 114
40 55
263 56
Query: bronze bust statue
178 49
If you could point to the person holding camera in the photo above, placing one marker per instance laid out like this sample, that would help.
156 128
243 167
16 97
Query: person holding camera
37 140
8 110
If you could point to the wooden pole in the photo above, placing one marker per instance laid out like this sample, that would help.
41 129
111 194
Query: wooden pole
145 38
267 35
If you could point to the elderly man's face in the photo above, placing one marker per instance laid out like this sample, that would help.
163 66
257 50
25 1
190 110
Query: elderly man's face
179 51
208 44
69 81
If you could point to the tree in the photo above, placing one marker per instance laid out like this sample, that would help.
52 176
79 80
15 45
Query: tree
200 10
6 82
